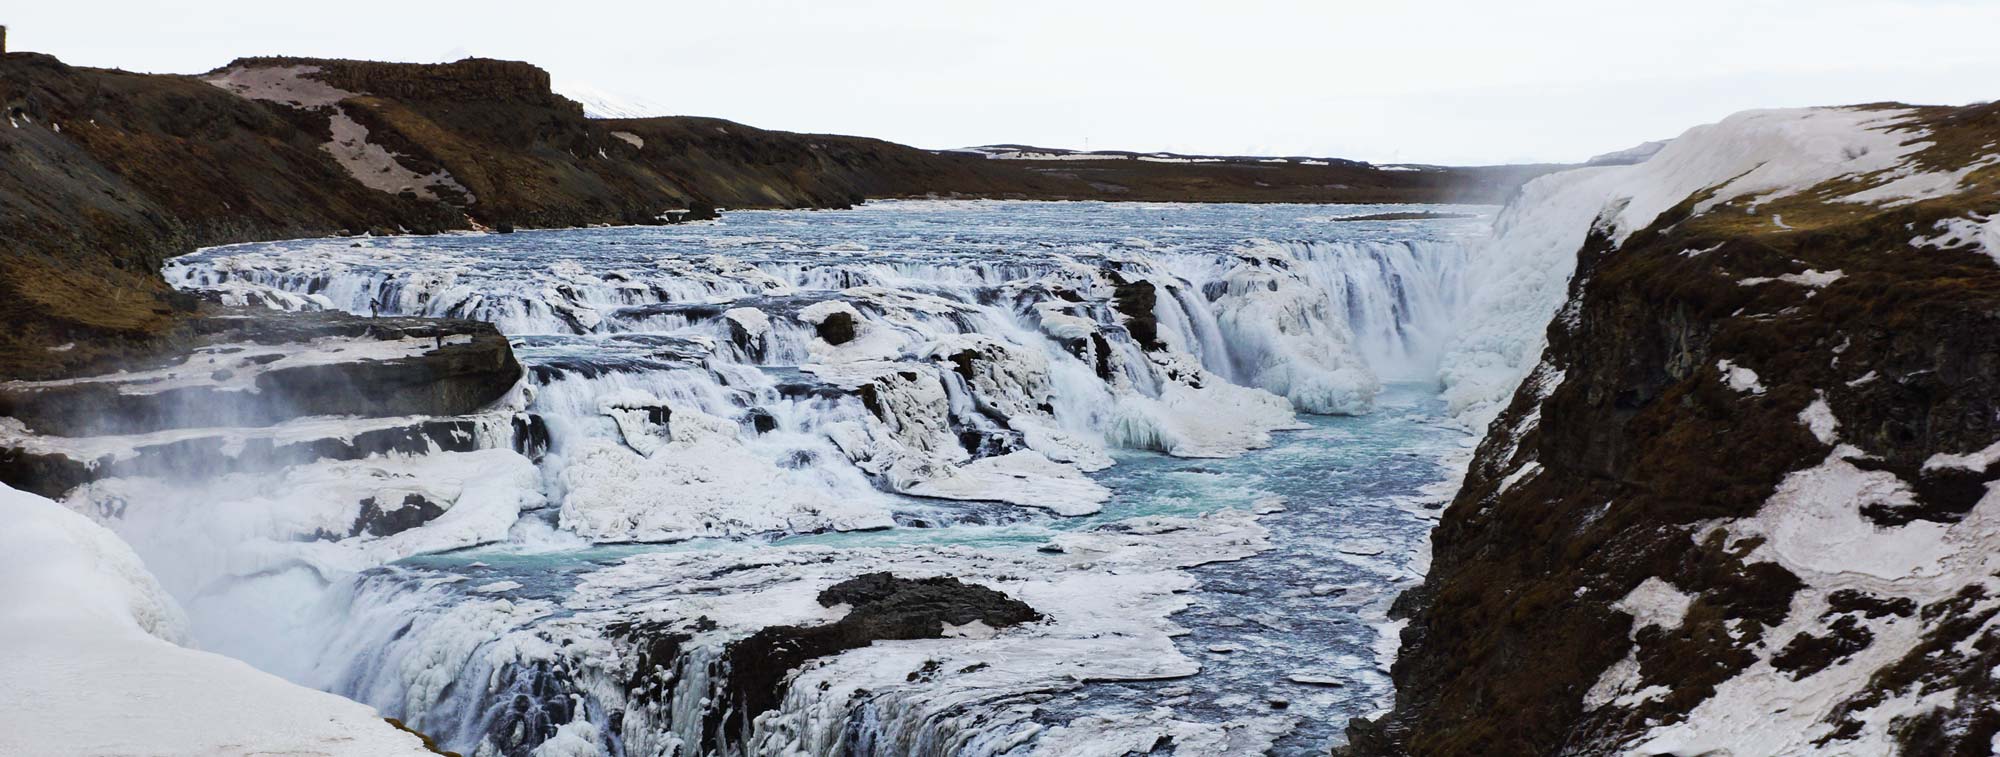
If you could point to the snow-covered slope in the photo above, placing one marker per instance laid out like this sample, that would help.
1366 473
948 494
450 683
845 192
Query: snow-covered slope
1738 498
93 664
1638 153
1522 276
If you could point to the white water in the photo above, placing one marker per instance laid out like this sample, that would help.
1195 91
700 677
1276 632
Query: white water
992 363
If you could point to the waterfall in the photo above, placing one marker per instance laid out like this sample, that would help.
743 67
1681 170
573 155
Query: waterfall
750 390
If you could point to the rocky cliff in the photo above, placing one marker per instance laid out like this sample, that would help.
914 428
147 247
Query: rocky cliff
1742 504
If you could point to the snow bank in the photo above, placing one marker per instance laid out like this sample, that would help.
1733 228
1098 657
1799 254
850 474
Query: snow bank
92 666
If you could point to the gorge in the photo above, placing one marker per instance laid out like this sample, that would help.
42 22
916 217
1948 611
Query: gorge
1613 469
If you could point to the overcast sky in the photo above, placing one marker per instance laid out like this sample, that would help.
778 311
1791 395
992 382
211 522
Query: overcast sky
1385 81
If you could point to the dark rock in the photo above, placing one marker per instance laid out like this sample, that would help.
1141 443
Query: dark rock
415 511
531 435
836 328
1135 300
452 379
209 456
51 476
885 607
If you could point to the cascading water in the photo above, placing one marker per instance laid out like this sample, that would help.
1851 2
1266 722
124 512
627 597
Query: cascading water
725 419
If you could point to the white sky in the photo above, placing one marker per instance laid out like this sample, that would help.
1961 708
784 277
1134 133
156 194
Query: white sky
1438 81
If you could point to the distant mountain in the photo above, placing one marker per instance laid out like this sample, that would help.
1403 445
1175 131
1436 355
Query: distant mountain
1030 152
599 103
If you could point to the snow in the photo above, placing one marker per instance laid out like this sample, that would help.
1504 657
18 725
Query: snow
235 367
231 441
1976 462
1813 524
577 738
1654 603
371 164
1739 378
1525 471
1981 234
1806 278
1639 153
93 666
1819 417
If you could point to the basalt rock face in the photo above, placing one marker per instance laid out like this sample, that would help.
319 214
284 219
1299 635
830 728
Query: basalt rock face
465 81
1742 506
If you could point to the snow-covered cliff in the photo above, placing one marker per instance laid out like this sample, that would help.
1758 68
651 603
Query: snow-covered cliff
1735 498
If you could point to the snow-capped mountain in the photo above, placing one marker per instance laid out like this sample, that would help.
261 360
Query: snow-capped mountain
598 103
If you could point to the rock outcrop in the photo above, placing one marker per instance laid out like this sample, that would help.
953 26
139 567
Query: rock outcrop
884 607
238 393
253 369
1743 504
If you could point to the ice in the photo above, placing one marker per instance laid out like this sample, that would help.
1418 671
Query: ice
1022 478
704 481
